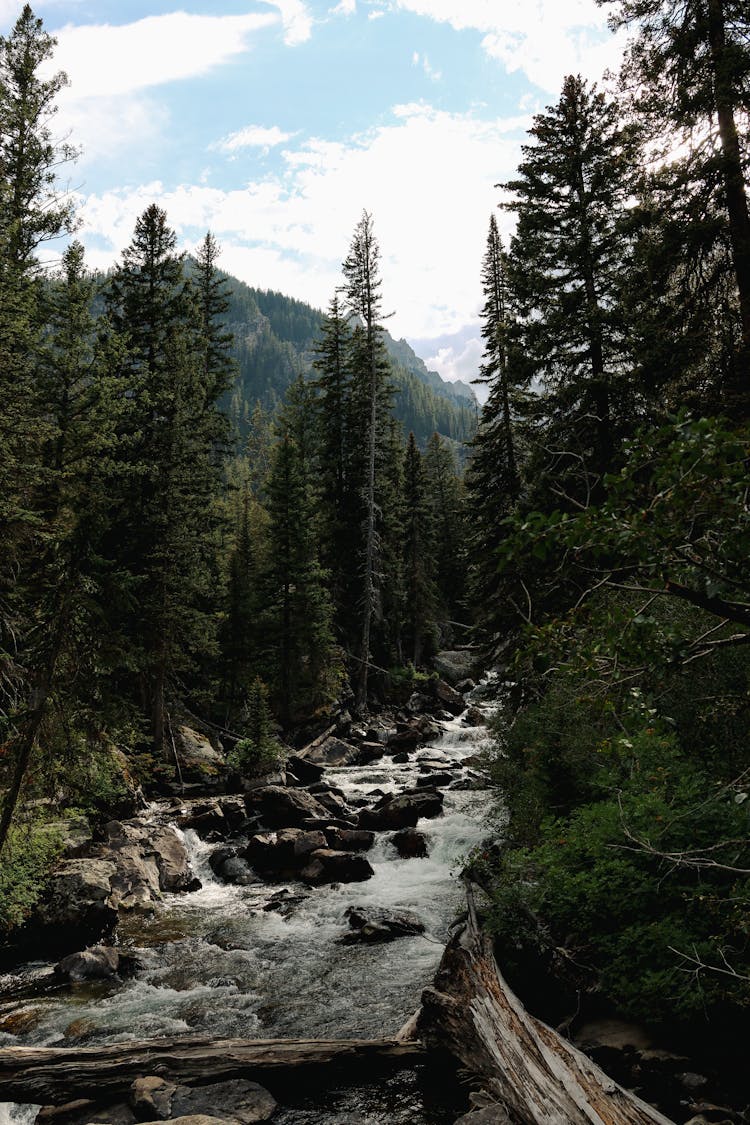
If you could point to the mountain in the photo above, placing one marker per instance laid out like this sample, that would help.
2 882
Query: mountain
404 354
274 338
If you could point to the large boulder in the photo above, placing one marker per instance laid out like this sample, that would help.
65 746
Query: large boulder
372 924
196 754
328 866
455 665
334 752
283 852
171 859
402 811
349 839
436 780
100 962
237 1101
279 807
305 771
448 698
410 844
78 907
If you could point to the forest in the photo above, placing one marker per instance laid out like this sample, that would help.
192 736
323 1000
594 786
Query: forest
224 510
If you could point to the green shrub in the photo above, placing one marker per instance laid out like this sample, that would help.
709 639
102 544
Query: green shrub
617 883
28 858
259 753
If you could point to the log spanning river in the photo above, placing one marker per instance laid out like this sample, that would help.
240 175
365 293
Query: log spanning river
216 963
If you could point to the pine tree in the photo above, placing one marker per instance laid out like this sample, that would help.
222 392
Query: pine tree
419 601
168 510
337 500
58 625
493 477
371 396
212 298
297 610
32 210
445 497
239 639
567 262
689 70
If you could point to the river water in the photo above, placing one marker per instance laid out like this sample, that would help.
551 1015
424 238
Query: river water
214 962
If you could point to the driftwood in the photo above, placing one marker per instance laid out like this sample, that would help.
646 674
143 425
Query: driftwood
54 1075
534 1075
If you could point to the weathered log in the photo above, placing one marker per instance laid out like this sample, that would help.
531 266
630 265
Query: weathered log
53 1075
535 1076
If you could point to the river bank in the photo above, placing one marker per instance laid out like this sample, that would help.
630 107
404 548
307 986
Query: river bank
269 958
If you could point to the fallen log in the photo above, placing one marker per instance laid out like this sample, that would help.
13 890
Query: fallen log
55 1075
534 1076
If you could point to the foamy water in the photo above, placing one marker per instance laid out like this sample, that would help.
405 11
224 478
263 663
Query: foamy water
215 963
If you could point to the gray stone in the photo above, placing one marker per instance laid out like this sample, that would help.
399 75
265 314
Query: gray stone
334 752
151 1097
329 866
237 1100
101 962
410 844
402 811
196 753
285 808
371 925
455 665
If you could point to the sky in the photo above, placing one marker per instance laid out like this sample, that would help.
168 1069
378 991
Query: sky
274 123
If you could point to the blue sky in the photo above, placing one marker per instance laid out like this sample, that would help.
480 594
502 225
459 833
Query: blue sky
275 122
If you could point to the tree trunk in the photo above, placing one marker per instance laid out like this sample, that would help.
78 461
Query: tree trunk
364 668
55 1076
534 1075
734 187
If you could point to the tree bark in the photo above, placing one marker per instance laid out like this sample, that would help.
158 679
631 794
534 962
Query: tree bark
531 1072
734 186
54 1076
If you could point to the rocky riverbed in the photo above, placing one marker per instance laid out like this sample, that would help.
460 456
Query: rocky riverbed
317 905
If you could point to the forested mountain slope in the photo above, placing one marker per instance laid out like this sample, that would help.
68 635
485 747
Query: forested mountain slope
274 341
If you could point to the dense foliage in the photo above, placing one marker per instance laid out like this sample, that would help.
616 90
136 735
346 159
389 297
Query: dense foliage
619 588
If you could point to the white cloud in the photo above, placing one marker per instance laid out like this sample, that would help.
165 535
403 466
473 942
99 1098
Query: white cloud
459 361
296 18
428 177
103 60
344 8
253 136
423 62
546 39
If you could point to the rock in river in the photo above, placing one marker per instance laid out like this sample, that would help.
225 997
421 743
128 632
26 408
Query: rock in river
402 811
101 962
328 866
285 808
372 924
410 844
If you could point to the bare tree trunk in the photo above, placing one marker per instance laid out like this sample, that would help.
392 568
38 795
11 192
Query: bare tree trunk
57 1075
531 1072
734 187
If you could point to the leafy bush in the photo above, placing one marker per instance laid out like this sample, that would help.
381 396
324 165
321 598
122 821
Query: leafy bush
28 857
644 886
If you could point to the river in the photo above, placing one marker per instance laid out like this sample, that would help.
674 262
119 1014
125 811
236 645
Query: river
214 962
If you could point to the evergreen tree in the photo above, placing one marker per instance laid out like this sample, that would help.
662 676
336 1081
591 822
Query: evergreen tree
297 606
418 559
259 751
212 297
568 261
444 492
337 504
32 210
689 70
494 478
56 601
171 475
371 396
239 634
